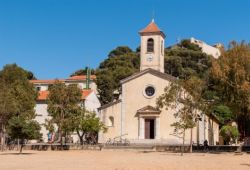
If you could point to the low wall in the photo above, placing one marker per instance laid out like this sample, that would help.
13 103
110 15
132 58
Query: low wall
45 147
159 148
222 148
172 148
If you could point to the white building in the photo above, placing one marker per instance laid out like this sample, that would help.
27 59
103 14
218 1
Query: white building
89 98
208 49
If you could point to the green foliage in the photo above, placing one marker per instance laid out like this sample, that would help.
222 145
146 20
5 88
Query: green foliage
21 128
187 100
230 80
67 113
120 51
30 75
61 100
8 105
17 99
223 113
49 125
186 60
121 63
17 95
82 72
230 76
188 45
85 123
229 133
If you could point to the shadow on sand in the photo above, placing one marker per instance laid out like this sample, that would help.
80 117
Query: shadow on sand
245 164
16 153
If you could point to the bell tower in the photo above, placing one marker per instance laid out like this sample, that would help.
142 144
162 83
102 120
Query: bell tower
152 48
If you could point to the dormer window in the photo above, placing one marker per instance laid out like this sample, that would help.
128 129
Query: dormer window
150 45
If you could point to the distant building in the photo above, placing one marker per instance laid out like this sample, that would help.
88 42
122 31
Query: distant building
208 49
89 98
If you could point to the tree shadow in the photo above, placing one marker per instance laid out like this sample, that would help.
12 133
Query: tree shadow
245 164
16 154
146 151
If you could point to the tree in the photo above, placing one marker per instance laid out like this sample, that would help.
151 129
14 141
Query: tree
17 96
86 124
230 79
23 129
61 100
187 101
229 133
223 113
186 59
121 63
7 108
82 72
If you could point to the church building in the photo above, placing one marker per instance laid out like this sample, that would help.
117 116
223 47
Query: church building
135 116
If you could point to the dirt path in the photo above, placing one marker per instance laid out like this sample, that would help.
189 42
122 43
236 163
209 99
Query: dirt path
121 160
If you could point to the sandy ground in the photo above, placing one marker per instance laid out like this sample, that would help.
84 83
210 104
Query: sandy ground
121 160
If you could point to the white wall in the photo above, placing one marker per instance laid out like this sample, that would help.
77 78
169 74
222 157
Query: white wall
208 49
44 87
92 103
41 115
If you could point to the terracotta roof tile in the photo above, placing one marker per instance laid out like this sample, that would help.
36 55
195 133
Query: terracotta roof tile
43 95
82 77
45 81
151 28
73 78
85 93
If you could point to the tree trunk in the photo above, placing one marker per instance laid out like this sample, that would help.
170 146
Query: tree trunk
80 136
21 148
183 143
2 138
191 141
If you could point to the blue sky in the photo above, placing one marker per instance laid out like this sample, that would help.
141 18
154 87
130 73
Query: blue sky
53 38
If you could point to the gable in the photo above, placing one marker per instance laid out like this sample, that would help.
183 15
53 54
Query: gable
149 71
149 109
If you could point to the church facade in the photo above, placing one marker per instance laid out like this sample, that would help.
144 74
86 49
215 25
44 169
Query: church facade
135 116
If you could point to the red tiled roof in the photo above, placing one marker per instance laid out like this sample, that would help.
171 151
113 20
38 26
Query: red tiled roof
73 78
46 81
82 77
43 95
85 93
152 28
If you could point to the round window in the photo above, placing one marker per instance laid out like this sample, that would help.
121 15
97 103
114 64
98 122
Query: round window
150 91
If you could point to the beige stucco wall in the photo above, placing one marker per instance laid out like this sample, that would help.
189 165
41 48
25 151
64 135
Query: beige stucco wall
133 99
113 131
158 55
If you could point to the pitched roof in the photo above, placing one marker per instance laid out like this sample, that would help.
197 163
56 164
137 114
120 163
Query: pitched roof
109 104
151 28
73 78
151 71
46 81
43 95
148 109
82 77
